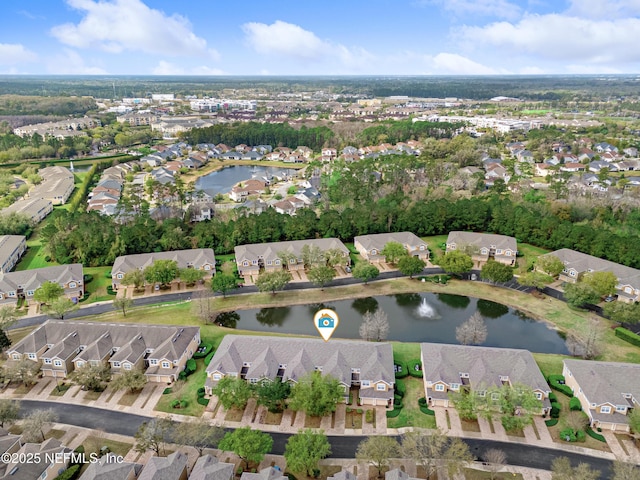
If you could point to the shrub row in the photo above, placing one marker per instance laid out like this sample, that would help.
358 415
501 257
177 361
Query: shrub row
110 290
427 410
201 400
207 350
554 382
179 403
628 336
555 410
595 435
189 368
551 422
208 358
167 391
401 388
422 401
415 368
368 416
401 370
394 413
574 404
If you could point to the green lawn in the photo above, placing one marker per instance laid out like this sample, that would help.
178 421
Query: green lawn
550 363
97 287
410 415
188 392
406 352
353 254
35 254
529 254
434 243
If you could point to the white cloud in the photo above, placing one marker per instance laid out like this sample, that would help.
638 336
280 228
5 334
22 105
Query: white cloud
604 8
284 38
14 53
561 37
118 25
290 40
484 8
167 68
69 62
454 64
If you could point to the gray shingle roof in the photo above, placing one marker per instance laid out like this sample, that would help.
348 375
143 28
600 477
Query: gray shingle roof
164 468
268 473
379 240
132 339
606 382
485 365
209 467
104 469
301 356
581 262
269 251
32 279
482 240
195 258
343 475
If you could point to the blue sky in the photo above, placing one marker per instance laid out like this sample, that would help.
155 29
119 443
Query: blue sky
320 37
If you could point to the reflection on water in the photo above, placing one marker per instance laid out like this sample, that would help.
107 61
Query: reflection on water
418 317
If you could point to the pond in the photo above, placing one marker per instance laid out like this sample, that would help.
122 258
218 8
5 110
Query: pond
221 181
414 317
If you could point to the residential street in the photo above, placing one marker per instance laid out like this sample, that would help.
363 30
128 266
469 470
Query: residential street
341 446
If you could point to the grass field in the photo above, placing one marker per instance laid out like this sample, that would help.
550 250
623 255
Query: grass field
547 309
529 254
410 415
434 243
188 392
98 286
35 254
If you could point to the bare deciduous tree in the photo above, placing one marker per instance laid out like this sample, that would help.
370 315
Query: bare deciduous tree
496 459
35 424
473 331
374 326
587 345
201 304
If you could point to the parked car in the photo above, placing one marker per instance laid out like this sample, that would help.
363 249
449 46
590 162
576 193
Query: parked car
610 298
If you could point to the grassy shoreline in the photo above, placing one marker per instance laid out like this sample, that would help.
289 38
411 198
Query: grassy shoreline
553 312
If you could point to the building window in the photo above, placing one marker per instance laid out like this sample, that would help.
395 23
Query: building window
217 376
47 361
381 386
57 363
207 267
277 262
116 364
538 395
366 383
439 387
30 293
245 263
269 262
72 284
481 393
166 365
79 363
127 366
253 380
153 361
621 408
605 409
16 356
119 276
495 396
12 294
32 356
455 386
593 405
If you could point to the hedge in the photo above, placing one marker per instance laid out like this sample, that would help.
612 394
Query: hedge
203 401
70 473
427 410
574 404
201 392
401 388
207 350
412 368
422 401
87 278
595 435
397 402
401 370
79 449
554 382
111 291
179 404
167 391
555 410
551 422
394 413
628 336
208 358
553 397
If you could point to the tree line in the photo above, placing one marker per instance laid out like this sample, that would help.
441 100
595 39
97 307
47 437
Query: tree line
253 133
94 239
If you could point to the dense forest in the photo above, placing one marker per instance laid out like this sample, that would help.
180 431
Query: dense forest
92 239
45 105
537 87
253 133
